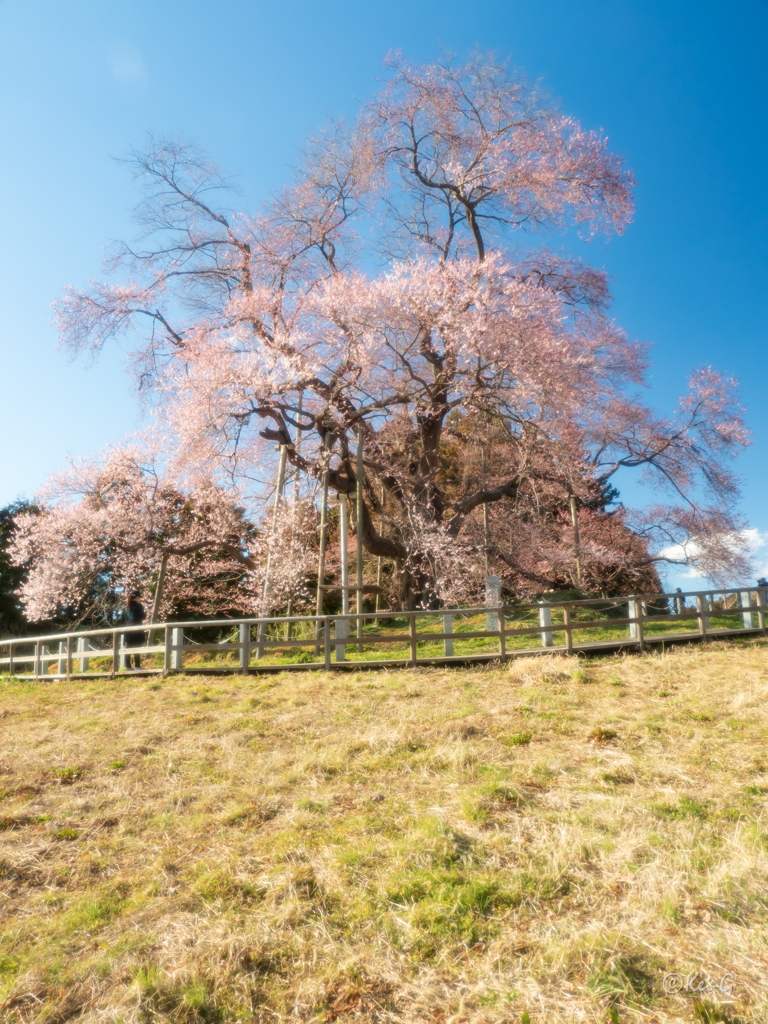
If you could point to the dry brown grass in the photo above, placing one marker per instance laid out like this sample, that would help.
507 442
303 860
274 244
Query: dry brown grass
443 846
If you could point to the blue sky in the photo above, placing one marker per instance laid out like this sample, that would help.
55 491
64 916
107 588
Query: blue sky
680 89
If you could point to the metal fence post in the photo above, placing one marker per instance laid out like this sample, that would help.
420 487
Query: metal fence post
327 643
177 642
245 646
38 659
82 646
545 619
632 610
492 598
167 650
342 634
746 602
448 642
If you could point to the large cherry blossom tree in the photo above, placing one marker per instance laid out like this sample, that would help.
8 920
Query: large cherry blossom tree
384 297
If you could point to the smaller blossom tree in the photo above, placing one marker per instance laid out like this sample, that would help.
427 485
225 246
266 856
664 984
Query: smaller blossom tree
118 524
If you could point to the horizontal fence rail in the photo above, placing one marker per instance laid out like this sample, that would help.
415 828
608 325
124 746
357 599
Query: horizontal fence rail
371 639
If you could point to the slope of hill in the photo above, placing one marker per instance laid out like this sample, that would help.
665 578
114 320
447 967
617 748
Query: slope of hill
552 838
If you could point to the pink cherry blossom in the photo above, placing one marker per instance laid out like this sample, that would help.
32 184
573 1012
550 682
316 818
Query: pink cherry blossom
382 291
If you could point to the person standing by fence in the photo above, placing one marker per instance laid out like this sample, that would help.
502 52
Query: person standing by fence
134 616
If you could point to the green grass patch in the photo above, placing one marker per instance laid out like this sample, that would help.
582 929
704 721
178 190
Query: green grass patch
500 840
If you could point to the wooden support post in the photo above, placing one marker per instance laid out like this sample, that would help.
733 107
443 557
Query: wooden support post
245 646
321 564
640 630
378 560
155 613
359 539
38 664
297 449
567 628
703 617
545 620
327 644
412 635
275 512
61 667
344 544
116 645
10 659
70 645
486 533
576 538
342 625
448 642
502 638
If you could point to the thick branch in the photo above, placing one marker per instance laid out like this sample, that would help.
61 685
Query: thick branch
507 490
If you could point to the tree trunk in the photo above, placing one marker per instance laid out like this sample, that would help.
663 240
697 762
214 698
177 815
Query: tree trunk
159 589
412 590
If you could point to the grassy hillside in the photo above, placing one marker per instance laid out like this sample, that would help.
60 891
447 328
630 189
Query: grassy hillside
549 838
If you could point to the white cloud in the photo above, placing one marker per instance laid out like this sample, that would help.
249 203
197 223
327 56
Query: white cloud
753 539
757 542
679 553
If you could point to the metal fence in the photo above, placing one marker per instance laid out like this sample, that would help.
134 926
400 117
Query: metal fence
368 640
